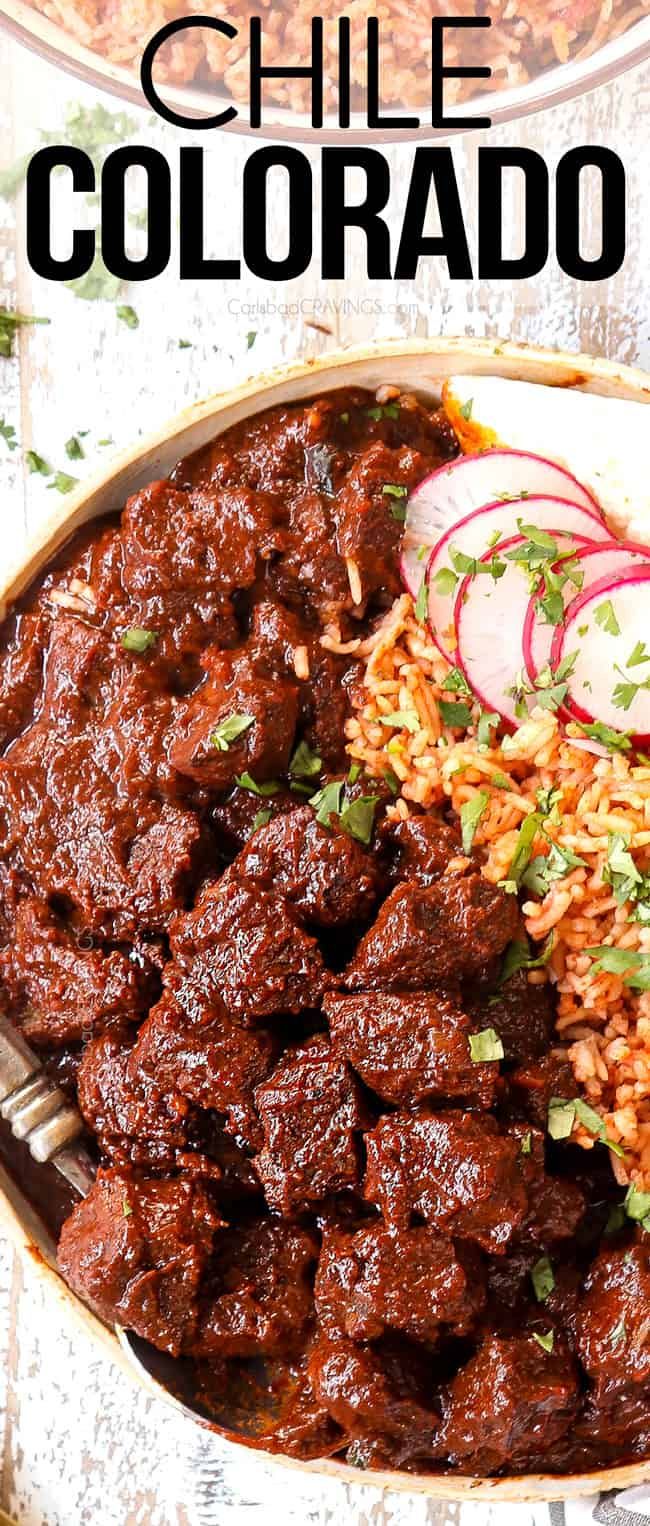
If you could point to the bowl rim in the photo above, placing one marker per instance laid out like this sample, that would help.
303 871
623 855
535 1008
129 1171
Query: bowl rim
101 492
553 86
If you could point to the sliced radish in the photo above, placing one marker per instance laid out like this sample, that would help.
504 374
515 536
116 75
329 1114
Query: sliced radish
489 617
493 522
454 490
594 562
605 626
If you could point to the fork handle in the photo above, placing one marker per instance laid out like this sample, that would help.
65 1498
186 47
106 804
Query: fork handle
31 1103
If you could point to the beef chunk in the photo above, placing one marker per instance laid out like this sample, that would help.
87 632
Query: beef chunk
163 865
454 1169
439 933
365 1391
521 1014
214 1065
248 948
234 817
410 1047
260 1300
311 568
367 531
556 1209
532 1086
136 1250
512 1398
613 1327
419 848
136 1121
197 542
23 639
380 1279
324 706
234 688
61 992
328 877
304 1428
311 1110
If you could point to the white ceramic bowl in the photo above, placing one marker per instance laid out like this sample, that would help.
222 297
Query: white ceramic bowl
416 365
552 86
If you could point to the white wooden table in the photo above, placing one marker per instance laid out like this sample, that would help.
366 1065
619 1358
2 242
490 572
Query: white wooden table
78 1444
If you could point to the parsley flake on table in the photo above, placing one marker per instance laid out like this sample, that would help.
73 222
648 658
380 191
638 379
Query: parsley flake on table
62 482
8 434
229 729
37 464
9 323
128 315
74 449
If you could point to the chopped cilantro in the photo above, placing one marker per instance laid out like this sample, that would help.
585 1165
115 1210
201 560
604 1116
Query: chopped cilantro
615 741
542 1279
8 434
527 1143
470 815
9 322
74 449
545 1341
445 581
394 490
638 655
454 714
637 1205
62 482
36 463
518 957
404 720
562 1114
358 817
128 316
127 1209
523 851
466 409
560 1117
229 729
456 682
485 1046
186 344
261 818
250 338
305 764
137 639
327 801
246 781
488 722
355 772
392 781
615 1219
421 601
344 417
605 617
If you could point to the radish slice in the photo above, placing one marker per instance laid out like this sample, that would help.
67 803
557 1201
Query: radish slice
476 533
489 617
605 626
594 562
454 490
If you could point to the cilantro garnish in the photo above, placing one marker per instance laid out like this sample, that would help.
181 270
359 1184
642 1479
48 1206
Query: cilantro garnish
9 322
137 639
305 764
605 617
485 1046
128 316
229 729
470 815
246 781
542 1278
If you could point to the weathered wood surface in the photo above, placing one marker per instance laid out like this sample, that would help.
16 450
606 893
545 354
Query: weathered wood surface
79 1444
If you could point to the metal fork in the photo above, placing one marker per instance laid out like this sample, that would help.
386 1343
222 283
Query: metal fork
39 1114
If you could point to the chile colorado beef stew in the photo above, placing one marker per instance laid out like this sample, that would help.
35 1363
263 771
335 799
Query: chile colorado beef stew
270 870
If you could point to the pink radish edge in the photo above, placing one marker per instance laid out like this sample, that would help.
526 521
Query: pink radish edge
635 549
484 701
571 709
585 498
494 507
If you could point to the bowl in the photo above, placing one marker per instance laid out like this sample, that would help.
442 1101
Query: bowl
550 88
417 365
